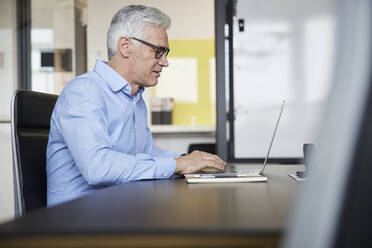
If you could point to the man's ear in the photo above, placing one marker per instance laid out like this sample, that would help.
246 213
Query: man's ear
123 46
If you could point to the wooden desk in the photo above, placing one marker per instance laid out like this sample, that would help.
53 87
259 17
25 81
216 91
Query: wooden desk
164 213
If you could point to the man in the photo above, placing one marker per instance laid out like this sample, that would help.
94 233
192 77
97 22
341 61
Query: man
99 134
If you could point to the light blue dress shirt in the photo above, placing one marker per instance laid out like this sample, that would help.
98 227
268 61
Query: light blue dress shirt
99 136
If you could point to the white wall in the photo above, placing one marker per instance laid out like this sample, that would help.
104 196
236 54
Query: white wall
179 142
6 175
8 82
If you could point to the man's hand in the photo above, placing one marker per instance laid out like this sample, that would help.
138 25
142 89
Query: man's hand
197 161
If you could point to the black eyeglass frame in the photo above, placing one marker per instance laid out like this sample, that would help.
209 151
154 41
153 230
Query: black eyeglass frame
159 50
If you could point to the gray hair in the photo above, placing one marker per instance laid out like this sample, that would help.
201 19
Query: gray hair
131 21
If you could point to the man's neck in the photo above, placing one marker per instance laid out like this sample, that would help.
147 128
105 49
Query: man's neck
120 68
135 89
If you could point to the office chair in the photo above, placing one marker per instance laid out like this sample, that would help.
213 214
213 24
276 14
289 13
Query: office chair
30 122
205 147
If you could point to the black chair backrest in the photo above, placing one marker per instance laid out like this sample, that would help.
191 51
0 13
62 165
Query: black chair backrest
205 147
30 122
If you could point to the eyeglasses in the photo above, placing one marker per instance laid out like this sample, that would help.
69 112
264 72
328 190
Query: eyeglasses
159 51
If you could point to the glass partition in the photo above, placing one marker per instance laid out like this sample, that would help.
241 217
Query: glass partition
58 43
282 50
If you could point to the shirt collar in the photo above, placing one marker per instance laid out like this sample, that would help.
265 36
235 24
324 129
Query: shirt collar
113 79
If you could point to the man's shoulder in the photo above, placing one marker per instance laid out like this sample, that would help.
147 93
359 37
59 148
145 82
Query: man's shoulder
89 78
86 82
84 86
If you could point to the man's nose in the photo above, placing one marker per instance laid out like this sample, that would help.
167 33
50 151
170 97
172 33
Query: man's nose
163 61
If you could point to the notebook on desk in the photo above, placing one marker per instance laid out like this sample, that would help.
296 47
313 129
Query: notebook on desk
236 176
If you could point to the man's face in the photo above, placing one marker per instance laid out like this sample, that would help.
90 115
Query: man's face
147 68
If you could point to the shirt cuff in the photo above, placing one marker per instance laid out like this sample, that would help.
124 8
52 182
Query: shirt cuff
165 167
171 154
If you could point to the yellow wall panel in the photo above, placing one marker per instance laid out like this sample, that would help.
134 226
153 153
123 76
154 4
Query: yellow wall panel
202 112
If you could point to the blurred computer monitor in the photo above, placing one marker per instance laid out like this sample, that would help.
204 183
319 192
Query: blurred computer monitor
59 60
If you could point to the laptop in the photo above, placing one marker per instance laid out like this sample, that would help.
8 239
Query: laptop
231 172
